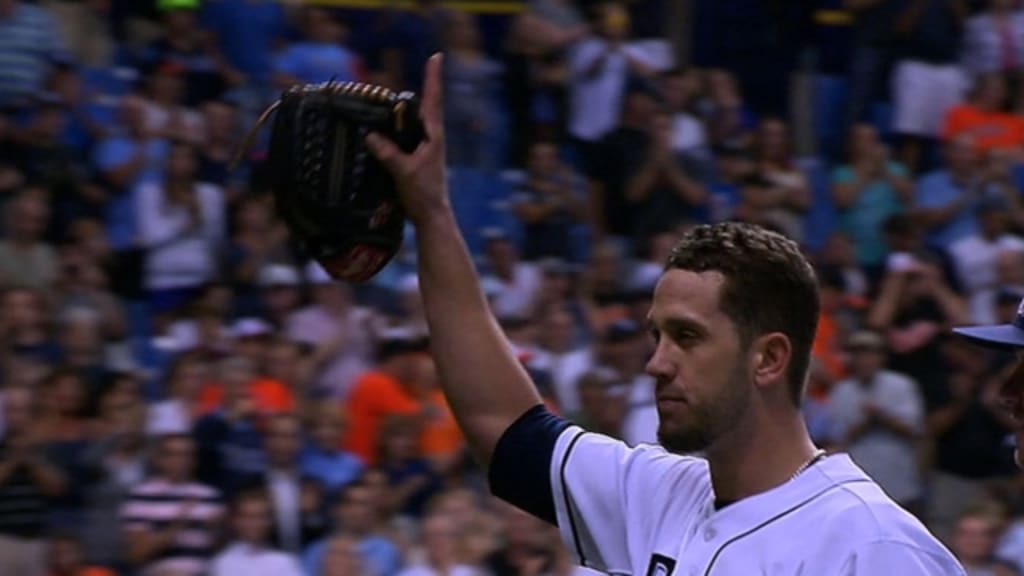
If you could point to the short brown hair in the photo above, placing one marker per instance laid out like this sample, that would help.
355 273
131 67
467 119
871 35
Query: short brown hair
769 286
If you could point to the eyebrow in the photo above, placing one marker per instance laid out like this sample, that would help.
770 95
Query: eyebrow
677 323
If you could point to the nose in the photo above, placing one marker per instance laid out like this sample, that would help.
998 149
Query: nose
1011 394
658 365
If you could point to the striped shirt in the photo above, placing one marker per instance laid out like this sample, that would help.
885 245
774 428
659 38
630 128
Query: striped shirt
23 506
29 41
156 504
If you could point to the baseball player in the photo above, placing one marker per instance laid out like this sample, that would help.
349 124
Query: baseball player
733 318
1006 337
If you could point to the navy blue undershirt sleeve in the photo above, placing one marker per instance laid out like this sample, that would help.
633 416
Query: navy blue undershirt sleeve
520 471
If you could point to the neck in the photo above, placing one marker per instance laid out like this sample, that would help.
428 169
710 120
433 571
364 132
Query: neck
748 463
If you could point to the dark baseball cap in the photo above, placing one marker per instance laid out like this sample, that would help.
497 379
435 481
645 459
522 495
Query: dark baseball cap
1000 336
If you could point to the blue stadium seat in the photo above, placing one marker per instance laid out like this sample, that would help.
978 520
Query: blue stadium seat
831 94
821 220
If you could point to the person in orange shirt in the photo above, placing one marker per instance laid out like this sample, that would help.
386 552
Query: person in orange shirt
252 341
441 440
268 396
388 389
986 117
67 559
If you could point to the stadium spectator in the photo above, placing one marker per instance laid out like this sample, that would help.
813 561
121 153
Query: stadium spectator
610 160
471 89
322 459
664 190
229 440
30 483
517 281
386 389
66 558
250 552
339 332
600 68
537 48
181 222
927 80
788 196
112 465
30 42
207 73
441 542
879 420
320 56
985 117
295 522
945 198
354 532
975 539
26 259
549 204
866 190
994 40
975 258
178 412
171 521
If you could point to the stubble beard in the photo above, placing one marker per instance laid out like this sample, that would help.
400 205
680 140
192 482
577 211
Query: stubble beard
707 423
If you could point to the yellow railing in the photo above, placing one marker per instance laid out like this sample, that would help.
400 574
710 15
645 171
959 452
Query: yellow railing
476 6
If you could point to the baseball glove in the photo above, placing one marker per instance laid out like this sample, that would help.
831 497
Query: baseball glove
339 203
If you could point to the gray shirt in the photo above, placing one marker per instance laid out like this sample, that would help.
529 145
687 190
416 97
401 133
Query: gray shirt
890 459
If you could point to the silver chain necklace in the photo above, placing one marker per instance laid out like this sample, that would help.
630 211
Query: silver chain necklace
818 455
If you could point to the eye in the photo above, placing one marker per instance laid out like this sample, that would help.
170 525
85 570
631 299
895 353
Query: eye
685 337
654 334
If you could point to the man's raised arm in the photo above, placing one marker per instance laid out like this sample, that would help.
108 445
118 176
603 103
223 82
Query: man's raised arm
486 386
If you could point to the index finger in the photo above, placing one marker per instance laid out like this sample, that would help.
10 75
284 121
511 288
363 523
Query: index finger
432 108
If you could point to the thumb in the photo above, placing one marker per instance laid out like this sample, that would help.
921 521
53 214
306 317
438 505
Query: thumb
384 150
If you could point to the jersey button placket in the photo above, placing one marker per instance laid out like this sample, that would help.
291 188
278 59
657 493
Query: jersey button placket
709 534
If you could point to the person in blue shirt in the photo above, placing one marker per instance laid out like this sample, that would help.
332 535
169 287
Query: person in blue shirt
354 516
945 198
320 56
322 459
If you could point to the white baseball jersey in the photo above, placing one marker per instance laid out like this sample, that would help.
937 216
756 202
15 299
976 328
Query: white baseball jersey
645 511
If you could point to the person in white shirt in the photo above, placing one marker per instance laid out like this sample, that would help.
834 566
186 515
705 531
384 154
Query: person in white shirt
878 418
599 67
733 321
976 257
439 546
181 226
340 333
250 552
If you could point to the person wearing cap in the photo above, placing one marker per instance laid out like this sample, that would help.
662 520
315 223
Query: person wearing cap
878 419
1006 338
279 293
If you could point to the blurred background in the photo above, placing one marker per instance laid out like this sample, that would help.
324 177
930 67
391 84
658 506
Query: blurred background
182 393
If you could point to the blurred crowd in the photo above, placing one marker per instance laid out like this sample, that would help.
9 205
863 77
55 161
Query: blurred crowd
184 393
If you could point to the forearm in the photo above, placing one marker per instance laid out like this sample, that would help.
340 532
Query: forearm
641 183
953 306
896 426
50 479
486 387
691 191
943 419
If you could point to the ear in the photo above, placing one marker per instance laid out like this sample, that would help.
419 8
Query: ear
771 354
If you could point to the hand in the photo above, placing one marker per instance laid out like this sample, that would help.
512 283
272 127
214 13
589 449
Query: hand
420 176
872 411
